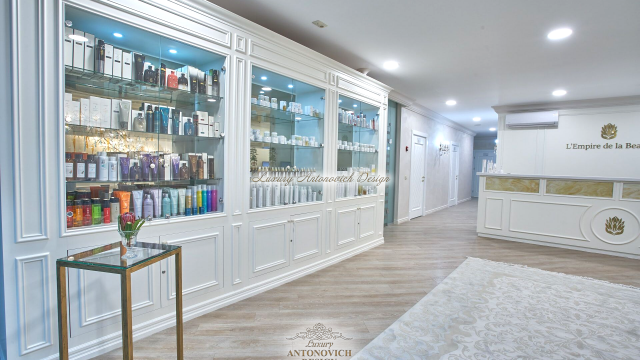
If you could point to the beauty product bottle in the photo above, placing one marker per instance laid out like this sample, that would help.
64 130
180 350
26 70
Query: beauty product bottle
147 207
69 214
68 167
156 119
86 212
260 194
193 166
154 166
173 197
214 198
161 167
113 169
183 82
139 66
163 74
184 171
211 168
202 83
189 129
209 198
175 122
199 200
145 161
103 166
253 195
77 213
139 123
149 118
150 75
215 86
114 208
106 211
200 167
188 201
193 81
100 56
172 80
134 171
81 166
164 125
96 211
91 168
166 205
181 201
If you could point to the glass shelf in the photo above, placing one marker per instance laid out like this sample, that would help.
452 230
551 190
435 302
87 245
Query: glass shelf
82 130
108 85
280 115
359 152
348 128
146 182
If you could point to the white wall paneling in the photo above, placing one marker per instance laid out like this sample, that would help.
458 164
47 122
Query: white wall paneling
367 222
236 266
306 236
268 245
328 236
346 225
34 302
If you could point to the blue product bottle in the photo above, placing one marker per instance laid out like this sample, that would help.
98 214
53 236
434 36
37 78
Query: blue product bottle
156 119
147 206
194 203
166 205
209 197
164 125
175 122
149 118
188 127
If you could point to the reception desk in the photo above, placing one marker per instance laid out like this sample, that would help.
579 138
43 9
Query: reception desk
583 213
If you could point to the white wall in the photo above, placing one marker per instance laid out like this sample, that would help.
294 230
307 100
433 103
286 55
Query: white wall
437 192
484 142
544 150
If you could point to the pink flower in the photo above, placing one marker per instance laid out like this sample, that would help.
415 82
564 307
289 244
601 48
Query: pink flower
125 218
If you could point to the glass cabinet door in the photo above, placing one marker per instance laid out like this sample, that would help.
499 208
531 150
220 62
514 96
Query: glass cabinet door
287 135
144 119
358 124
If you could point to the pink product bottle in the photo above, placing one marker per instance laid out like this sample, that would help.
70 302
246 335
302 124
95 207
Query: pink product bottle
214 198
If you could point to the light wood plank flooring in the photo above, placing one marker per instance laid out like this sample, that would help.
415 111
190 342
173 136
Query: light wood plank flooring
363 295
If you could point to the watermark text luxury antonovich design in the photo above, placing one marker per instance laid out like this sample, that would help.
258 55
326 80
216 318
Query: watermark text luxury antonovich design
320 341
311 178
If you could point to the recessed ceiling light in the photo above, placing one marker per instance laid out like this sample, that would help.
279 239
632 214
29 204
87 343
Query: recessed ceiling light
492 129
290 86
264 78
78 38
173 51
118 35
451 102
319 24
390 65
212 100
496 141
559 33
559 92
266 88
339 101
261 92
355 105
476 119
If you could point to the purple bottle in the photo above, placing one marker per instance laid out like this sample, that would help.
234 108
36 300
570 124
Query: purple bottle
209 199
147 207
214 198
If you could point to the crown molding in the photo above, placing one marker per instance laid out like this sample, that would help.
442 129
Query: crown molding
401 98
424 111
568 105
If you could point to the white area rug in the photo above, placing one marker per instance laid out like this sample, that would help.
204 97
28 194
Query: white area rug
487 310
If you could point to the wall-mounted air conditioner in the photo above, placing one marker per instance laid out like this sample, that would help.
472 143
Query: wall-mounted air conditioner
532 119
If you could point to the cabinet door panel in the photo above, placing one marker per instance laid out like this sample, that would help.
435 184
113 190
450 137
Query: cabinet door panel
94 297
306 235
367 220
268 245
202 263
346 226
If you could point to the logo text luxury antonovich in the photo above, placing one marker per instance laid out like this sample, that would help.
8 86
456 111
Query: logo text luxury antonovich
364 177
319 336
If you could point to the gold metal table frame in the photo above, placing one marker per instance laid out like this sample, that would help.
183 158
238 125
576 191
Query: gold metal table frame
151 254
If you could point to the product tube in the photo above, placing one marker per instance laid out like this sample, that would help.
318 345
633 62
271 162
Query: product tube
166 205
253 196
124 168
145 161
209 199
259 201
157 201
154 167
137 203
187 202
125 198
194 200
174 201
181 201
175 167
114 205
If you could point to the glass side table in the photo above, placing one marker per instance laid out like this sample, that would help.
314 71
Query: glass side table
107 259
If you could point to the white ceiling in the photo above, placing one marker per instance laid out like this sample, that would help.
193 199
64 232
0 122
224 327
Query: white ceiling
480 53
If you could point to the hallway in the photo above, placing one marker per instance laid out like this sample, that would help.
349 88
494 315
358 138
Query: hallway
360 297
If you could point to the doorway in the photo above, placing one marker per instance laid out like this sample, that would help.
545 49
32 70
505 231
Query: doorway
453 174
478 157
418 174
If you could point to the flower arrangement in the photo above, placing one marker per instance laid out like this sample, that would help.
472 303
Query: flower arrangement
128 227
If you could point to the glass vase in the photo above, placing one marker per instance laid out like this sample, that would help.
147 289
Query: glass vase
129 240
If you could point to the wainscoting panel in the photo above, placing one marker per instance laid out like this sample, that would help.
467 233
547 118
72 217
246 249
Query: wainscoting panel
547 218
34 303
367 220
268 245
346 225
306 236
493 213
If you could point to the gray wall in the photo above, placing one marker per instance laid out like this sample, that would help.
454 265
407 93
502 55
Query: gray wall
437 166
484 142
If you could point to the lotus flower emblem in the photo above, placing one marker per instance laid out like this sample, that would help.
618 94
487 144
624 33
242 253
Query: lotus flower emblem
609 131
614 226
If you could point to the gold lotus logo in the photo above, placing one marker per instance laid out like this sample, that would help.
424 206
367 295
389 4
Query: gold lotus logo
319 332
609 131
614 226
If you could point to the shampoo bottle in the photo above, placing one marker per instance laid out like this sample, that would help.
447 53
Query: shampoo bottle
166 205
147 207
113 169
214 198
103 166
149 118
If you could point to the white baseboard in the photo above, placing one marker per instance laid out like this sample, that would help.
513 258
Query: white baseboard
463 200
562 246
400 221
140 331
436 209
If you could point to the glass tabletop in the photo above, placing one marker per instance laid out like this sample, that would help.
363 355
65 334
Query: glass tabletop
108 256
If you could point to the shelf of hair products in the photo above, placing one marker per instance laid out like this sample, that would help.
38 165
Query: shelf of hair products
144 125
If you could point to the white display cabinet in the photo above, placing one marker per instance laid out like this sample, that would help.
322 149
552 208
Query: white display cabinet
230 253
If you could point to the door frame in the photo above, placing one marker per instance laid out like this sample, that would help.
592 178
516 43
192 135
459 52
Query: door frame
475 179
457 181
424 185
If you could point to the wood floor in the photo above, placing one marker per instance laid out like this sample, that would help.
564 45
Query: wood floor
362 296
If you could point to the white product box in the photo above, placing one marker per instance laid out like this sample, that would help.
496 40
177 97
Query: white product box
105 113
167 167
182 86
203 117
67 108
115 112
216 129
85 113
127 61
89 52
211 126
192 73
95 104
206 165
108 59
75 113
78 50
210 83
203 130
68 46
117 62
125 105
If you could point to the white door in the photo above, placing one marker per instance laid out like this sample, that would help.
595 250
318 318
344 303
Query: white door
453 175
418 156
478 157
